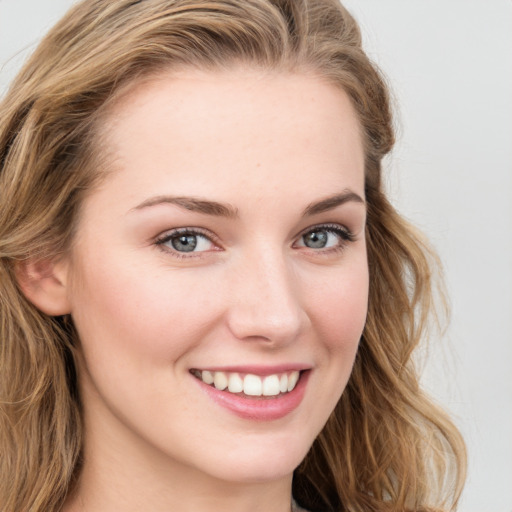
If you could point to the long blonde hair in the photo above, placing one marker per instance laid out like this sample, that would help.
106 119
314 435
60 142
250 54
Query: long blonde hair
386 447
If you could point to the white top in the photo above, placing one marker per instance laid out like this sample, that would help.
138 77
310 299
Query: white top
296 508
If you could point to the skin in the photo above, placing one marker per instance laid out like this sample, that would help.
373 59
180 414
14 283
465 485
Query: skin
266 145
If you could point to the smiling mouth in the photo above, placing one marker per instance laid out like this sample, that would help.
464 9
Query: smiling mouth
250 385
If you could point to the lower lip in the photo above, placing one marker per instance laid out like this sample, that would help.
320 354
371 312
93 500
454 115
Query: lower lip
259 408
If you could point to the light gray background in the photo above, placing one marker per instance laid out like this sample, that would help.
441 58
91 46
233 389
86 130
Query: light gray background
450 66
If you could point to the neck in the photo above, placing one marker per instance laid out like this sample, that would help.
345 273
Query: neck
120 474
93 495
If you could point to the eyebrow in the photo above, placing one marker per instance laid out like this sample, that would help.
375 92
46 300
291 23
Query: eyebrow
217 209
331 202
194 204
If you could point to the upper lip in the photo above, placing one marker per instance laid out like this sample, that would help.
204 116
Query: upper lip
262 370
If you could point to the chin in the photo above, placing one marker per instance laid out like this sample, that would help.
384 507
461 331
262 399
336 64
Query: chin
259 462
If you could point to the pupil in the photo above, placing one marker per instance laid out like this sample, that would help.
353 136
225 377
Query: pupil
316 239
185 243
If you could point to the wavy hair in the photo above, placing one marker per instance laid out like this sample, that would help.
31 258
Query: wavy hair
386 446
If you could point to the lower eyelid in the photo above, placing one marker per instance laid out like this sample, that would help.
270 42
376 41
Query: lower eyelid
344 235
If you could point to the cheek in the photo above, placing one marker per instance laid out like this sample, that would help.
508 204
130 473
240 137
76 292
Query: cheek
339 310
133 313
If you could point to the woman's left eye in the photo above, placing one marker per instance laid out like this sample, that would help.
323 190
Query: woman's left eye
325 237
186 241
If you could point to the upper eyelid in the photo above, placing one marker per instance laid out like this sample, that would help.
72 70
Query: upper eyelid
184 230
333 226
167 235
162 240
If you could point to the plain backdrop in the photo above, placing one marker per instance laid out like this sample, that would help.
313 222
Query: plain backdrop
449 63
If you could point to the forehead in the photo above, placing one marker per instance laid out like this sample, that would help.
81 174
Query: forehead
205 127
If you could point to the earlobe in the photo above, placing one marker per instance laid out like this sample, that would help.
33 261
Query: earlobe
44 284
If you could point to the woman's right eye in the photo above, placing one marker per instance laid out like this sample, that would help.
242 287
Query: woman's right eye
185 241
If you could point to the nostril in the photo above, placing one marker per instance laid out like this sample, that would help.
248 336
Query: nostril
271 328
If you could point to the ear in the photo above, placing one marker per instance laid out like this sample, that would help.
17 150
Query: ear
44 284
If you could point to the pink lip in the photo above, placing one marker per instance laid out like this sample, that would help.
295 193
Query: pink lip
258 409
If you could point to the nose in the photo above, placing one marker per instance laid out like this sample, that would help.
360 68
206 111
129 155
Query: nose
266 304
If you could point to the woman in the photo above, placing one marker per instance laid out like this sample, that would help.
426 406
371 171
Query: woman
207 301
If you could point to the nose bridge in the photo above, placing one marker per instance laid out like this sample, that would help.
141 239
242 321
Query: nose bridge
266 301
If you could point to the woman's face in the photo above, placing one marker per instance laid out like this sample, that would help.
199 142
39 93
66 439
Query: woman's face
227 244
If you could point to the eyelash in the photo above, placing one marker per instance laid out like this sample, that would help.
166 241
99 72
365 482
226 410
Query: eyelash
168 236
342 232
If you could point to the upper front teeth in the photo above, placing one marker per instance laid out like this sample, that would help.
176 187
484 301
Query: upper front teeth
252 385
